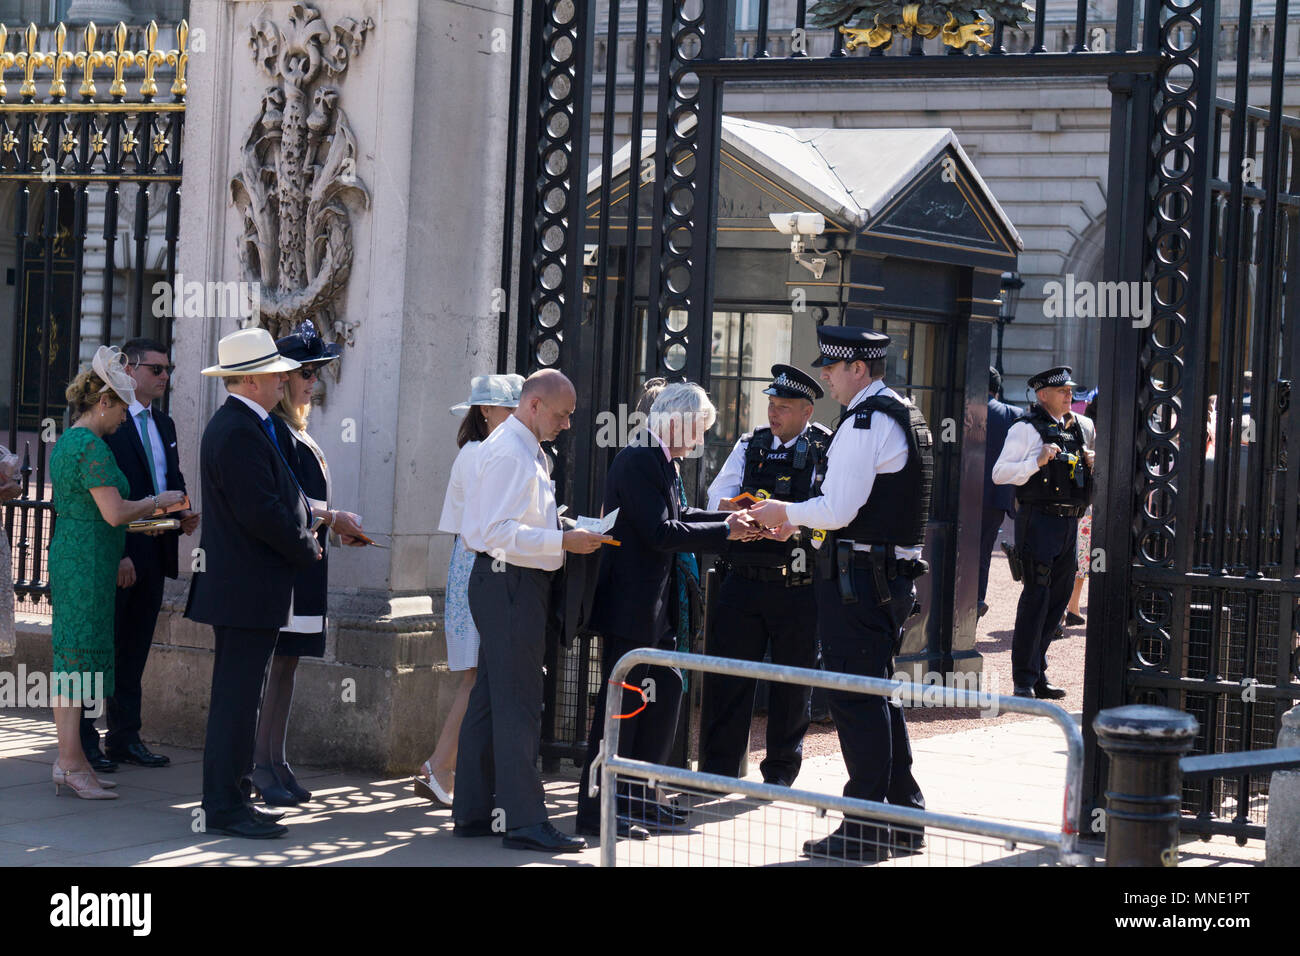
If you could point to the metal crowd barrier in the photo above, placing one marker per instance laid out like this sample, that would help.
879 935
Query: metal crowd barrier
1063 841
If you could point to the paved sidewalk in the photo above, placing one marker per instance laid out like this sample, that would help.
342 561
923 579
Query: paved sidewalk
1012 769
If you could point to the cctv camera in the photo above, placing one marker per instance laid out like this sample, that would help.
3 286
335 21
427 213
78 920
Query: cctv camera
799 223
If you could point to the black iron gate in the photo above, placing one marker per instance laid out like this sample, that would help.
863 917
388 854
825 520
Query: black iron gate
62 156
1196 607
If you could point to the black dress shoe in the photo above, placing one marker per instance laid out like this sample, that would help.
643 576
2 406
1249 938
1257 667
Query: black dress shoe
100 763
1074 620
472 828
983 609
261 813
906 842
1046 691
653 816
252 829
268 787
138 754
1023 692
778 781
625 829
542 837
837 846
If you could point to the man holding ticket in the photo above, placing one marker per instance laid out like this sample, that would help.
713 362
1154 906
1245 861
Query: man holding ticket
635 604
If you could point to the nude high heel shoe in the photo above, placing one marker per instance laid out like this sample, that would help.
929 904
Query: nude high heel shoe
82 783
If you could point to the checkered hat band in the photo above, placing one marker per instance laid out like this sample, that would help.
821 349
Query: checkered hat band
785 381
841 352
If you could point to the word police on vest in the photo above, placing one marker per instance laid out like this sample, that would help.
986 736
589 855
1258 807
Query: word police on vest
76 909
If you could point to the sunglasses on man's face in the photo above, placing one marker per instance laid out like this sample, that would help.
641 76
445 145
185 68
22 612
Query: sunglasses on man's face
157 369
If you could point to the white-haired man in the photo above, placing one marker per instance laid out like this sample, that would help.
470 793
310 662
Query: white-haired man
635 603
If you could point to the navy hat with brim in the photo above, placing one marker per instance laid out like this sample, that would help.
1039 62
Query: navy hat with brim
843 343
789 382
306 347
1053 378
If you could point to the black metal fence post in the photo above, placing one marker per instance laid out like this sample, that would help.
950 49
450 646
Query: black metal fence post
1144 789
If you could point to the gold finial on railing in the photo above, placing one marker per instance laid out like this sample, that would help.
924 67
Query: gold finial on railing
29 62
150 59
88 59
180 58
6 59
59 61
119 60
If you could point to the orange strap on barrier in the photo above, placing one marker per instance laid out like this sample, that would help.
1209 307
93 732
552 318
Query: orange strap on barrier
645 701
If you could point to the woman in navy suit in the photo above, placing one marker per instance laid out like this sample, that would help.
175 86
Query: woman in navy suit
304 635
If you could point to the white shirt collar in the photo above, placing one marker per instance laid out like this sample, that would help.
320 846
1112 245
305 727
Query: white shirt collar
522 432
261 412
874 388
135 409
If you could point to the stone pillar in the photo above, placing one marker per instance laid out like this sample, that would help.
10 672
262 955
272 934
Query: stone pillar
423 94
1282 835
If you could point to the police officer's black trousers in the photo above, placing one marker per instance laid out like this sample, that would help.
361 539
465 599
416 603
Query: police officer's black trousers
1046 542
648 736
751 615
859 639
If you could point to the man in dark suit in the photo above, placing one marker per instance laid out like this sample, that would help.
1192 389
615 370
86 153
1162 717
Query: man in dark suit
256 536
635 604
146 453
999 500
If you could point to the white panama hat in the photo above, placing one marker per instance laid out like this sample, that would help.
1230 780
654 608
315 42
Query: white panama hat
249 352
501 390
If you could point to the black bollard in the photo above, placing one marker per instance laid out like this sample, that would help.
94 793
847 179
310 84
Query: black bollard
1144 788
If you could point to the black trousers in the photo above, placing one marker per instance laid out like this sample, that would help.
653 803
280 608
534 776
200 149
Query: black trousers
990 521
134 619
859 639
1048 543
497 780
751 616
648 736
238 670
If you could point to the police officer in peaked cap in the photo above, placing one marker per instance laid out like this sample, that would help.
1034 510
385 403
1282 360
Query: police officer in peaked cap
1046 458
874 505
766 596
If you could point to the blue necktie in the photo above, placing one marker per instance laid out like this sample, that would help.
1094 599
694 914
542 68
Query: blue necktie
269 428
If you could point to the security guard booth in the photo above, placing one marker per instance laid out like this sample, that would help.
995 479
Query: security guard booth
914 246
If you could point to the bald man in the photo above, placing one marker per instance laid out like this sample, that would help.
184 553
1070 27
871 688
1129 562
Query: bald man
510 520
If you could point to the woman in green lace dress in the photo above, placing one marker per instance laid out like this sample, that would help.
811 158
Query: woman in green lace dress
85 554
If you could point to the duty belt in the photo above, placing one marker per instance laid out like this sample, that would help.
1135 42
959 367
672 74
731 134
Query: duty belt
780 573
1057 510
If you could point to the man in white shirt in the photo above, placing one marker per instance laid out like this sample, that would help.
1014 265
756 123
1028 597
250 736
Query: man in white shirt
876 494
1046 456
510 520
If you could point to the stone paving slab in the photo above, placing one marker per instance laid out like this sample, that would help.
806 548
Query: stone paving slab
1013 771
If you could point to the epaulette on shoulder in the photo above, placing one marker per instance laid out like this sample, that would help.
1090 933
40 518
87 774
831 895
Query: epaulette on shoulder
819 427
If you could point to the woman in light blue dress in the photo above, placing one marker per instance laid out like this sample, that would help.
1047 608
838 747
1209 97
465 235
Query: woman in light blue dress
491 400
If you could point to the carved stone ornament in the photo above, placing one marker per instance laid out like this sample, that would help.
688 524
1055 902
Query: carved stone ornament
299 174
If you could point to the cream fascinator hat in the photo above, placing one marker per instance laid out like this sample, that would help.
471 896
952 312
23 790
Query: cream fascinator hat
109 364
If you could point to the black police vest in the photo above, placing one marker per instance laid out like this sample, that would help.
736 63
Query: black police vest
1066 480
899 505
788 474
794 473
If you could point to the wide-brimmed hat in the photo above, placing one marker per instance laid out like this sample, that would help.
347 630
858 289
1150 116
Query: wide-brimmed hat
249 352
110 364
306 347
501 390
